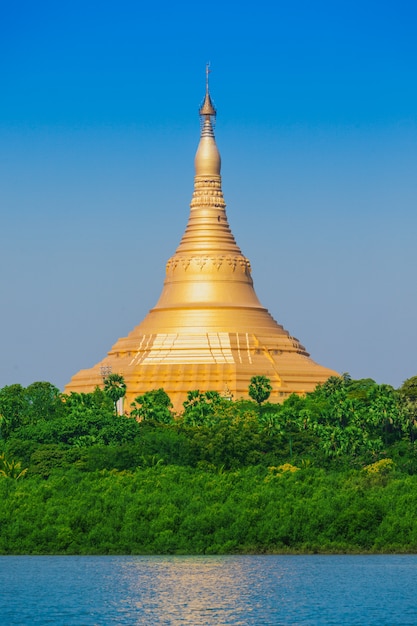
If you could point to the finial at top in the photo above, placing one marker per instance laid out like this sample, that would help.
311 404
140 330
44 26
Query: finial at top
208 70
207 108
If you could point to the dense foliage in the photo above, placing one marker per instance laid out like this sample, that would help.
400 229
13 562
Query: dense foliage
332 471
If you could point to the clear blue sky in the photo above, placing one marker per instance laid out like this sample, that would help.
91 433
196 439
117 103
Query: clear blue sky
317 128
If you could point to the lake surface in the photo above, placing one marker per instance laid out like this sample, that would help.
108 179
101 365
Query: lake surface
244 590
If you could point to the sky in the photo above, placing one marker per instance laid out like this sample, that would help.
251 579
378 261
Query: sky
317 129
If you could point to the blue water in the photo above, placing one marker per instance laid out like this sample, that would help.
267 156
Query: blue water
244 590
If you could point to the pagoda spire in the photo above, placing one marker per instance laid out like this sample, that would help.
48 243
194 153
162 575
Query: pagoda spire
208 230
203 268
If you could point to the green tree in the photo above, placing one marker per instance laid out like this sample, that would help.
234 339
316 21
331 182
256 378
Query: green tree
97 401
200 407
12 409
338 418
386 413
260 388
409 389
22 406
153 406
270 420
115 387
43 401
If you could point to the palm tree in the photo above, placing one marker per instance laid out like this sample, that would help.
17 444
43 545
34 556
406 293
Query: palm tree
260 388
11 469
115 388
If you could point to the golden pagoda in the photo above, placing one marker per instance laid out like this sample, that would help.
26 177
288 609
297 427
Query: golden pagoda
208 330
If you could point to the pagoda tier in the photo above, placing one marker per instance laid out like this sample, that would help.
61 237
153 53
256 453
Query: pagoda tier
208 330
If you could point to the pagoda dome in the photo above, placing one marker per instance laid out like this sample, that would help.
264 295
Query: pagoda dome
208 330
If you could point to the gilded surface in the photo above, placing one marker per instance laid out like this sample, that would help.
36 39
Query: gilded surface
208 330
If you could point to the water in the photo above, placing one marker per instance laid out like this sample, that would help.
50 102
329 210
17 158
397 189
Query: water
238 590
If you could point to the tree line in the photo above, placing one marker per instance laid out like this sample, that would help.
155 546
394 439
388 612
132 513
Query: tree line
342 423
334 470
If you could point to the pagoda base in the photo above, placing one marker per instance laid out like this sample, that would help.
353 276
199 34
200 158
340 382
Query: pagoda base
214 361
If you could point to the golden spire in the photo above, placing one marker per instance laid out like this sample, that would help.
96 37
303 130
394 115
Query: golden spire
207 159
207 230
